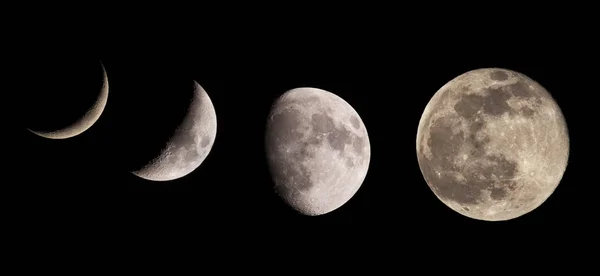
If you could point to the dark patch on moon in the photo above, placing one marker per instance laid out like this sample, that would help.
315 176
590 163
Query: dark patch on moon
355 122
284 126
442 142
498 76
322 123
478 145
501 167
290 176
476 125
495 102
303 151
205 141
497 193
468 105
337 137
527 112
520 89
443 145
448 187
301 179
349 162
482 178
358 145
313 140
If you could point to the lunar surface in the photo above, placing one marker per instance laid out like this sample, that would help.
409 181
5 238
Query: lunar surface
492 144
189 145
317 149
84 122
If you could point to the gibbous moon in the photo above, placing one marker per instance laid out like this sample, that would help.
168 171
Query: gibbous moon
189 145
84 122
317 149
492 144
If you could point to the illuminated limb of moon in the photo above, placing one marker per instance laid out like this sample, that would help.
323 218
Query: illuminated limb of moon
492 144
86 121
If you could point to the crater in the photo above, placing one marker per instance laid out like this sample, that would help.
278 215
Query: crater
498 76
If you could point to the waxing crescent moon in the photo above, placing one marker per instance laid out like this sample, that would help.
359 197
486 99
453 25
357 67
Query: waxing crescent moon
86 121
189 145
318 150
492 144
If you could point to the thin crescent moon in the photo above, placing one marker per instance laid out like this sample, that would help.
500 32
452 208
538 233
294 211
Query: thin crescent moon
86 121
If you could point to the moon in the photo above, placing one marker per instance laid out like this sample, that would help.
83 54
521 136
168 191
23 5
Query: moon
318 150
189 145
492 144
84 122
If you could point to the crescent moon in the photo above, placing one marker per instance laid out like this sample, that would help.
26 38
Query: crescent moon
189 145
86 121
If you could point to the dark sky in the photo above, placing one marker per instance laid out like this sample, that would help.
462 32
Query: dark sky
387 75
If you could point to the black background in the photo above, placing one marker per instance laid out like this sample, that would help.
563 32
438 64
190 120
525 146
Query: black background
386 67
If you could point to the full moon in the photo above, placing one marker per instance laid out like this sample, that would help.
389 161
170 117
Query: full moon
492 144
318 150
189 145
83 122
